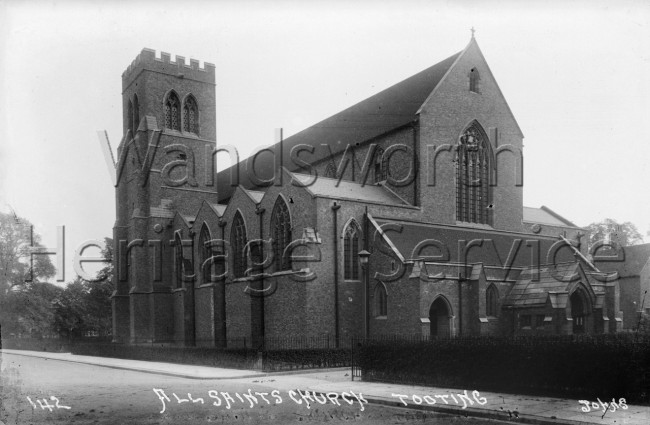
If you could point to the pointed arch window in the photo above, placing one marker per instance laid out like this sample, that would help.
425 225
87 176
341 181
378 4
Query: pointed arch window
172 109
205 253
380 165
330 171
238 243
136 114
129 268
351 251
472 176
474 79
281 233
129 118
491 301
381 301
178 263
191 115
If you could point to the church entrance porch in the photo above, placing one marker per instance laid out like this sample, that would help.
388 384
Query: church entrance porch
579 312
440 319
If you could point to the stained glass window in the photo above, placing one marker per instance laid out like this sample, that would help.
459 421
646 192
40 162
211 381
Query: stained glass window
351 251
472 176
281 233
238 243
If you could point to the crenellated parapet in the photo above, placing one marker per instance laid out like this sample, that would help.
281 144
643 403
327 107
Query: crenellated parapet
147 60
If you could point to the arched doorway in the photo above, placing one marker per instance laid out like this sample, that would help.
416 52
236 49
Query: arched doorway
578 311
440 318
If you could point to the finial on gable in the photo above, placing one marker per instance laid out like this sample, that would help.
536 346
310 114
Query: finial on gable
473 31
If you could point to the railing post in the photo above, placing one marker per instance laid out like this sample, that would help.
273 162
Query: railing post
352 358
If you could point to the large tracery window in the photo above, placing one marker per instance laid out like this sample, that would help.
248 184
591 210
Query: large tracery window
191 115
473 176
351 251
238 242
281 233
172 109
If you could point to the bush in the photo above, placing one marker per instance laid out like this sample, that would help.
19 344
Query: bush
55 345
587 367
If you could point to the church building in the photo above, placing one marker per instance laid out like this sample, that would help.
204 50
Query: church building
400 215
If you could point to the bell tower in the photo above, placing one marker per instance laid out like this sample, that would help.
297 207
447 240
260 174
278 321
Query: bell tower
169 123
149 82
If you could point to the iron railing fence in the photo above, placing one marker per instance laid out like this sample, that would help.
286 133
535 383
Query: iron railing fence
604 365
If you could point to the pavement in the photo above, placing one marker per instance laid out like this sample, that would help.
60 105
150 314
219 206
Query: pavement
462 402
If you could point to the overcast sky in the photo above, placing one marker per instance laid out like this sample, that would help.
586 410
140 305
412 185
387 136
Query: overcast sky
575 74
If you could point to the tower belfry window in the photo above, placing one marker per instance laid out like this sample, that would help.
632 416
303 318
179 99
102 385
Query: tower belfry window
129 117
172 109
136 114
191 115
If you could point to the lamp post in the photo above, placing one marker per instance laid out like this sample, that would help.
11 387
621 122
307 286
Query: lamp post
364 256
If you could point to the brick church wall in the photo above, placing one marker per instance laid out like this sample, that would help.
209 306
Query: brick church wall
450 109
401 163
145 308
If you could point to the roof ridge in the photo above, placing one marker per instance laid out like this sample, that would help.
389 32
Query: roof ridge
387 110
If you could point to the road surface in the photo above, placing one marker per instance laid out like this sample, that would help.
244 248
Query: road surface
44 391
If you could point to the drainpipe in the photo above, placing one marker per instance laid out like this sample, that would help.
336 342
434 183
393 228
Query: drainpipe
193 295
461 278
416 153
222 289
367 270
260 212
335 208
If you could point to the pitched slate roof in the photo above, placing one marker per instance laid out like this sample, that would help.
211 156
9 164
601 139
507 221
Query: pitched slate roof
544 215
324 187
387 110
527 292
494 251
554 280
